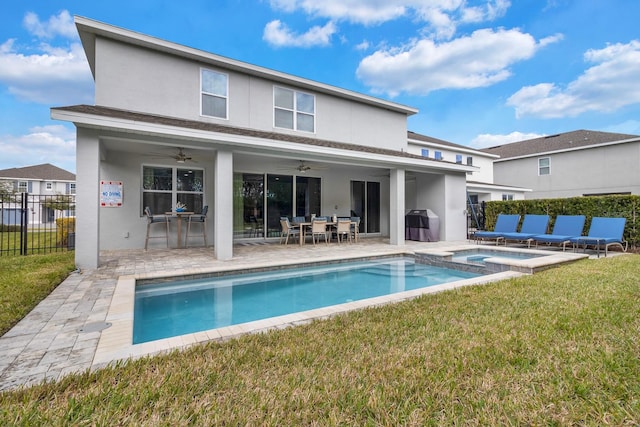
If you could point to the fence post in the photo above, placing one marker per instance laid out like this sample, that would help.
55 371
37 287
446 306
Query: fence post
24 223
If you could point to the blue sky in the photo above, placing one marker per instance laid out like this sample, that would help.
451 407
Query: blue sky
481 72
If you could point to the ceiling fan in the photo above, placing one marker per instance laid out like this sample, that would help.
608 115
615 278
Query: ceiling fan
182 157
304 167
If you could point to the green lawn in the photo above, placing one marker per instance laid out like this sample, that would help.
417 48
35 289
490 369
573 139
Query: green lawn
561 347
38 242
26 280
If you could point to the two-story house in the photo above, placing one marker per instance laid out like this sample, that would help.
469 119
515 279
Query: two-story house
480 182
176 124
41 182
578 163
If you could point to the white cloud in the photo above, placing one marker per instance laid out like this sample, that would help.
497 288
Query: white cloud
60 25
478 60
45 73
441 16
53 144
491 140
610 84
367 12
278 34
364 45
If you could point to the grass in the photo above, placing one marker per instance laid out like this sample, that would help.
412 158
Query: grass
38 242
26 280
557 348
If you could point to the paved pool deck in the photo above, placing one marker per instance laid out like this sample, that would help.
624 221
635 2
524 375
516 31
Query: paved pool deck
65 333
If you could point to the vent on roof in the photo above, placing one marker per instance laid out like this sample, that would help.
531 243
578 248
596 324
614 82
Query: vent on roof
551 136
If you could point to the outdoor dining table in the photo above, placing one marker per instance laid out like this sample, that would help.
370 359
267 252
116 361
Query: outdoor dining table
304 224
179 214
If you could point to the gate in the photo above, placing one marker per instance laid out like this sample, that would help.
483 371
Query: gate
36 224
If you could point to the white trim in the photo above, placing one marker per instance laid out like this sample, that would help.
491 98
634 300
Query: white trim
548 166
452 148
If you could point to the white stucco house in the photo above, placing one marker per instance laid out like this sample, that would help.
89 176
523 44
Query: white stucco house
41 183
577 163
176 124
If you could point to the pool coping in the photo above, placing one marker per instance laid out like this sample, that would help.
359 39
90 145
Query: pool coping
115 343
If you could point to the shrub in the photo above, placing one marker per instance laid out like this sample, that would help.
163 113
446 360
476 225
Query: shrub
64 227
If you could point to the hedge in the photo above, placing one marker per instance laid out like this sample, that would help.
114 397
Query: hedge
589 206
64 227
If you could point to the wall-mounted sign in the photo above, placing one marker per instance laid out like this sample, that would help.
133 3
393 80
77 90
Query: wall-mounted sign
111 194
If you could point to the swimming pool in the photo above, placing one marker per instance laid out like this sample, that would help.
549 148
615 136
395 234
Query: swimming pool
182 307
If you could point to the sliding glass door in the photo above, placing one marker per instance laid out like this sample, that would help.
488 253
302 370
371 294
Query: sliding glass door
260 200
365 203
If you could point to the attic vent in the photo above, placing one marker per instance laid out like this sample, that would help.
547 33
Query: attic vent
551 136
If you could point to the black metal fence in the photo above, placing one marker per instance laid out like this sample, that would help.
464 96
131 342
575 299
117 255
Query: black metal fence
36 224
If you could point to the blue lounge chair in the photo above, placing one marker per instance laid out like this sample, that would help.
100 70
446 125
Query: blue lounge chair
565 227
531 225
504 224
603 231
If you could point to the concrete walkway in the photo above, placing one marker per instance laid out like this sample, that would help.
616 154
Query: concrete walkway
61 335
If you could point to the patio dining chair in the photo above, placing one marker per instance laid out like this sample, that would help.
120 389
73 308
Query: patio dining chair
288 230
200 218
355 227
319 228
343 230
155 219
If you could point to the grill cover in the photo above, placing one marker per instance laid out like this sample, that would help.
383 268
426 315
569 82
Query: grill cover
422 225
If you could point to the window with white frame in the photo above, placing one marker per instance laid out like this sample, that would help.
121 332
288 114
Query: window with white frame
469 161
438 155
459 158
294 110
164 186
507 197
72 188
214 88
49 186
425 152
544 166
23 186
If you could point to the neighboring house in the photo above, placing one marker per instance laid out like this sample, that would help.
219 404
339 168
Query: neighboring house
37 181
578 163
176 124
481 186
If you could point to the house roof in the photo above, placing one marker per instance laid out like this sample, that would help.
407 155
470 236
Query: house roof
43 172
560 142
431 140
137 117
89 30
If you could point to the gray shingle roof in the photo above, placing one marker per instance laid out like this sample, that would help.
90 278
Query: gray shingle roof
562 141
43 172
213 127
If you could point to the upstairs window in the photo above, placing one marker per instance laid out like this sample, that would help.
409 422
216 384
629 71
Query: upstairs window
544 166
425 152
49 186
214 98
23 187
469 161
459 158
294 110
438 155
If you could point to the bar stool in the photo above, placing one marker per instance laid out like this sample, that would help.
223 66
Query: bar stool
201 218
155 219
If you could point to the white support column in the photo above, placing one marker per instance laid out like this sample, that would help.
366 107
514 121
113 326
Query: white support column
223 205
87 199
396 207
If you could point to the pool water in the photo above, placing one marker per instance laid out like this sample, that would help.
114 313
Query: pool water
477 256
177 308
